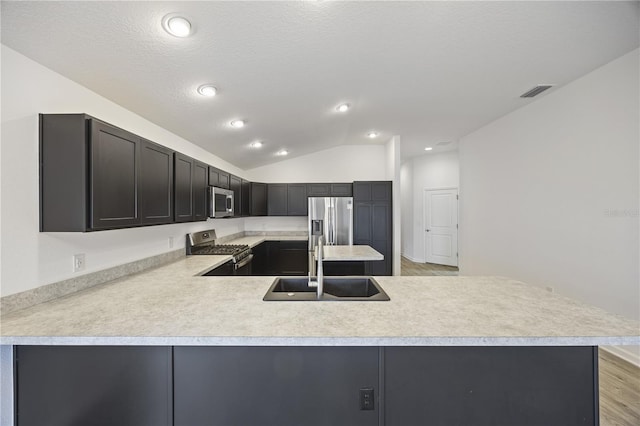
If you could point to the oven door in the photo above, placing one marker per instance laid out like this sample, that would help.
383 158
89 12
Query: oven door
224 270
243 267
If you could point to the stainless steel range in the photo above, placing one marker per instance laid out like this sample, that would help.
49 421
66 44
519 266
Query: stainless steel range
204 242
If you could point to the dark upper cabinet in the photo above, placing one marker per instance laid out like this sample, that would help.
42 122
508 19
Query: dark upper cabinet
115 171
183 178
287 199
277 199
245 198
235 184
200 191
190 183
329 190
219 178
90 175
156 183
373 221
258 201
297 204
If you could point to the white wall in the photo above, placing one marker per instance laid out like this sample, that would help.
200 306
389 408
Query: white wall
406 197
550 193
345 163
393 174
429 171
29 258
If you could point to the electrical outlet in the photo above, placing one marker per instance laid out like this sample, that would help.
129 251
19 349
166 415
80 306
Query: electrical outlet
78 262
170 242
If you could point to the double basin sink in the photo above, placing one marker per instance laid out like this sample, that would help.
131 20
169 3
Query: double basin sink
334 288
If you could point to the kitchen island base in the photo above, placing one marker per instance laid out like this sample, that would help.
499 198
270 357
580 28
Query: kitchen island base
216 385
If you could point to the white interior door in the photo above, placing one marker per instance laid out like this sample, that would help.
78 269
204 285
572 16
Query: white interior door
441 226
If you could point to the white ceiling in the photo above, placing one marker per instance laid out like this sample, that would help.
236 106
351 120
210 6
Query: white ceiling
430 72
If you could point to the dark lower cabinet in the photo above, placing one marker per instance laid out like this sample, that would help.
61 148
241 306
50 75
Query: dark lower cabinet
280 258
276 386
350 386
342 268
487 386
93 385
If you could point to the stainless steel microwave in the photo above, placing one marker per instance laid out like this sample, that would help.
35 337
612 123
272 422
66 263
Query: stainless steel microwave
220 202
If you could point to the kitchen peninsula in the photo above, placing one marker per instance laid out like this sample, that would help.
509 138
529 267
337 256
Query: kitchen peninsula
439 343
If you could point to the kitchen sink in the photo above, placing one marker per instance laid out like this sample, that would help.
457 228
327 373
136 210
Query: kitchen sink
335 288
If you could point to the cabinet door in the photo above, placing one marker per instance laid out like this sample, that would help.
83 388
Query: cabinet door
293 258
115 165
214 177
93 385
235 184
297 204
258 199
381 238
223 179
156 184
274 385
200 190
551 386
277 199
341 190
183 178
361 191
245 198
318 189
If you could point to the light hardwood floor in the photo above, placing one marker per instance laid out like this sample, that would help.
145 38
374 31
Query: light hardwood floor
619 379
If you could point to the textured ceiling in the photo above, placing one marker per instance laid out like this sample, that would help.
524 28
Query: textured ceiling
430 72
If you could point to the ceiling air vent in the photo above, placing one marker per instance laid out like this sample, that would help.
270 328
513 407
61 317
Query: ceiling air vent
536 90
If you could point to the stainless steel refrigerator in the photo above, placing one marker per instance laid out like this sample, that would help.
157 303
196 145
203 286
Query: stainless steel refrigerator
331 218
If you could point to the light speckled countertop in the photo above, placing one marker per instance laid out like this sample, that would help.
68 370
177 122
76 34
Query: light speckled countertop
172 305
351 253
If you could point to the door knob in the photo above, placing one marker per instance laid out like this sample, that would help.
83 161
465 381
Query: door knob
427 230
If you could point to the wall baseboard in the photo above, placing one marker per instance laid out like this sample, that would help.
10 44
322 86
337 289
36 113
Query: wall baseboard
413 259
624 353
24 299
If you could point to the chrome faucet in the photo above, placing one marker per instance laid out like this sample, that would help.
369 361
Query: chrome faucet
319 281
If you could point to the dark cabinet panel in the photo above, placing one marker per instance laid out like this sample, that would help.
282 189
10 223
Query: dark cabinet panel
245 198
274 385
200 191
490 386
277 199
115 157
341 190
319 189
218 178
297 204
235 184
183 178
93 385
156 183
373 223
190 177
293 258
330 189
341 268
258 199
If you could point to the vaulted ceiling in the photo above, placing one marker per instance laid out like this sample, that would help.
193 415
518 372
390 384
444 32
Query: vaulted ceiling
430 72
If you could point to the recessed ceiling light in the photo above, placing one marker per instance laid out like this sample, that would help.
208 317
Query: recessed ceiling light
256 144
176 25
372 135
343 107
237 124
428 148
207 90
282 152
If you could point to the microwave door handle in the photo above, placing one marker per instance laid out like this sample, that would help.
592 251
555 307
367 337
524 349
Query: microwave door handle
229 204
